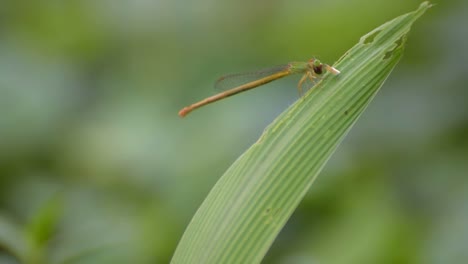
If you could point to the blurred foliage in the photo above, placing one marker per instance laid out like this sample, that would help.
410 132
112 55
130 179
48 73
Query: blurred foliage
96 166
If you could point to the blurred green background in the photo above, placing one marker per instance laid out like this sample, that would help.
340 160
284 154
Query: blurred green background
96 166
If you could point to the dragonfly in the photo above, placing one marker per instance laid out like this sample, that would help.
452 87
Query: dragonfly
237 83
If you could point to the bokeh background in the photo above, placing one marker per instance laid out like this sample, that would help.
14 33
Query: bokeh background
96 166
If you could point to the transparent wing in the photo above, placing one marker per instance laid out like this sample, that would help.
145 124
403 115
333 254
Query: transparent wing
233 80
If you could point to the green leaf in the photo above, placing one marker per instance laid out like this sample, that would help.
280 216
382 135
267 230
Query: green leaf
252 201
42 227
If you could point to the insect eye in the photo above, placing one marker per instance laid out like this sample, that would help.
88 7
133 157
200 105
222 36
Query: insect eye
318 69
